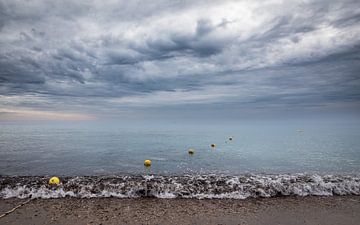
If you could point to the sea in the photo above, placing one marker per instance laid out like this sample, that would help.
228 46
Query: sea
251 159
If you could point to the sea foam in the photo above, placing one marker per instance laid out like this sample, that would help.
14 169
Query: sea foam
186 186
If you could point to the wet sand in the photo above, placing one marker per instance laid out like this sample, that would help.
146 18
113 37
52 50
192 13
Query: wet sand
284 210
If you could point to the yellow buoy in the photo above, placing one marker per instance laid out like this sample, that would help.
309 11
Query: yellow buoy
191 151
147 163
213 145
54 181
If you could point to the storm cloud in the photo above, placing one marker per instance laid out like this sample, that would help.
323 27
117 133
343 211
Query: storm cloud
106 58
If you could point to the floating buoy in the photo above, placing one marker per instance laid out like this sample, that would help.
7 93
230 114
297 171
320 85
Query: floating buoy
54 181
230 138
147 163
191 151
213 145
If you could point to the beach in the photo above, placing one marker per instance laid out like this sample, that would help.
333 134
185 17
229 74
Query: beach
278 210
180 112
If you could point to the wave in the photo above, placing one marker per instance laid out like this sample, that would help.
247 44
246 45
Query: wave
185 186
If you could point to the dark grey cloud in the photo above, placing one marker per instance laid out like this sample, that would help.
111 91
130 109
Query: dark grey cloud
193 44
95 57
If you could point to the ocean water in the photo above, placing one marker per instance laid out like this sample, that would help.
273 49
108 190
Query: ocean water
264 158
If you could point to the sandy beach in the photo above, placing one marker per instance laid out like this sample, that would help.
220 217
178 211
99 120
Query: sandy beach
285 210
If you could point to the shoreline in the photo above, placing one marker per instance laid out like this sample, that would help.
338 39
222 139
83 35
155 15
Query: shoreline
193 186
277 210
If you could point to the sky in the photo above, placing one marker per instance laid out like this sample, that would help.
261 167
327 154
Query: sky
96 60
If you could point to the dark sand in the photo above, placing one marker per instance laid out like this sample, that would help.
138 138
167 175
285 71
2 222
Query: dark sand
285 210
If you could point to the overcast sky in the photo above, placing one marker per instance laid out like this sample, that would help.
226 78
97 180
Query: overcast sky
129 59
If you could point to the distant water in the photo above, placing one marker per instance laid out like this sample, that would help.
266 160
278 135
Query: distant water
75 149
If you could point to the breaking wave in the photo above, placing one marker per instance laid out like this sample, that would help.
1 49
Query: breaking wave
186 186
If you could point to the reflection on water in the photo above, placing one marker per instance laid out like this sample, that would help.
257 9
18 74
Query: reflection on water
92 149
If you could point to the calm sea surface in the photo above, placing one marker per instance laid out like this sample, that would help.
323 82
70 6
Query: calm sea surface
112 148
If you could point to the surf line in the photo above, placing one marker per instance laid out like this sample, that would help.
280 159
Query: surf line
15 208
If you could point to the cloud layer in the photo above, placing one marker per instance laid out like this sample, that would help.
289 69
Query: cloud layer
106 58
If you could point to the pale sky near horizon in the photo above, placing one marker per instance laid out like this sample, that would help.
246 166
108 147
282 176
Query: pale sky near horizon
88 60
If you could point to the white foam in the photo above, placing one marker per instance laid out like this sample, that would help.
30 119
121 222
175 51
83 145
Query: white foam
198 186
